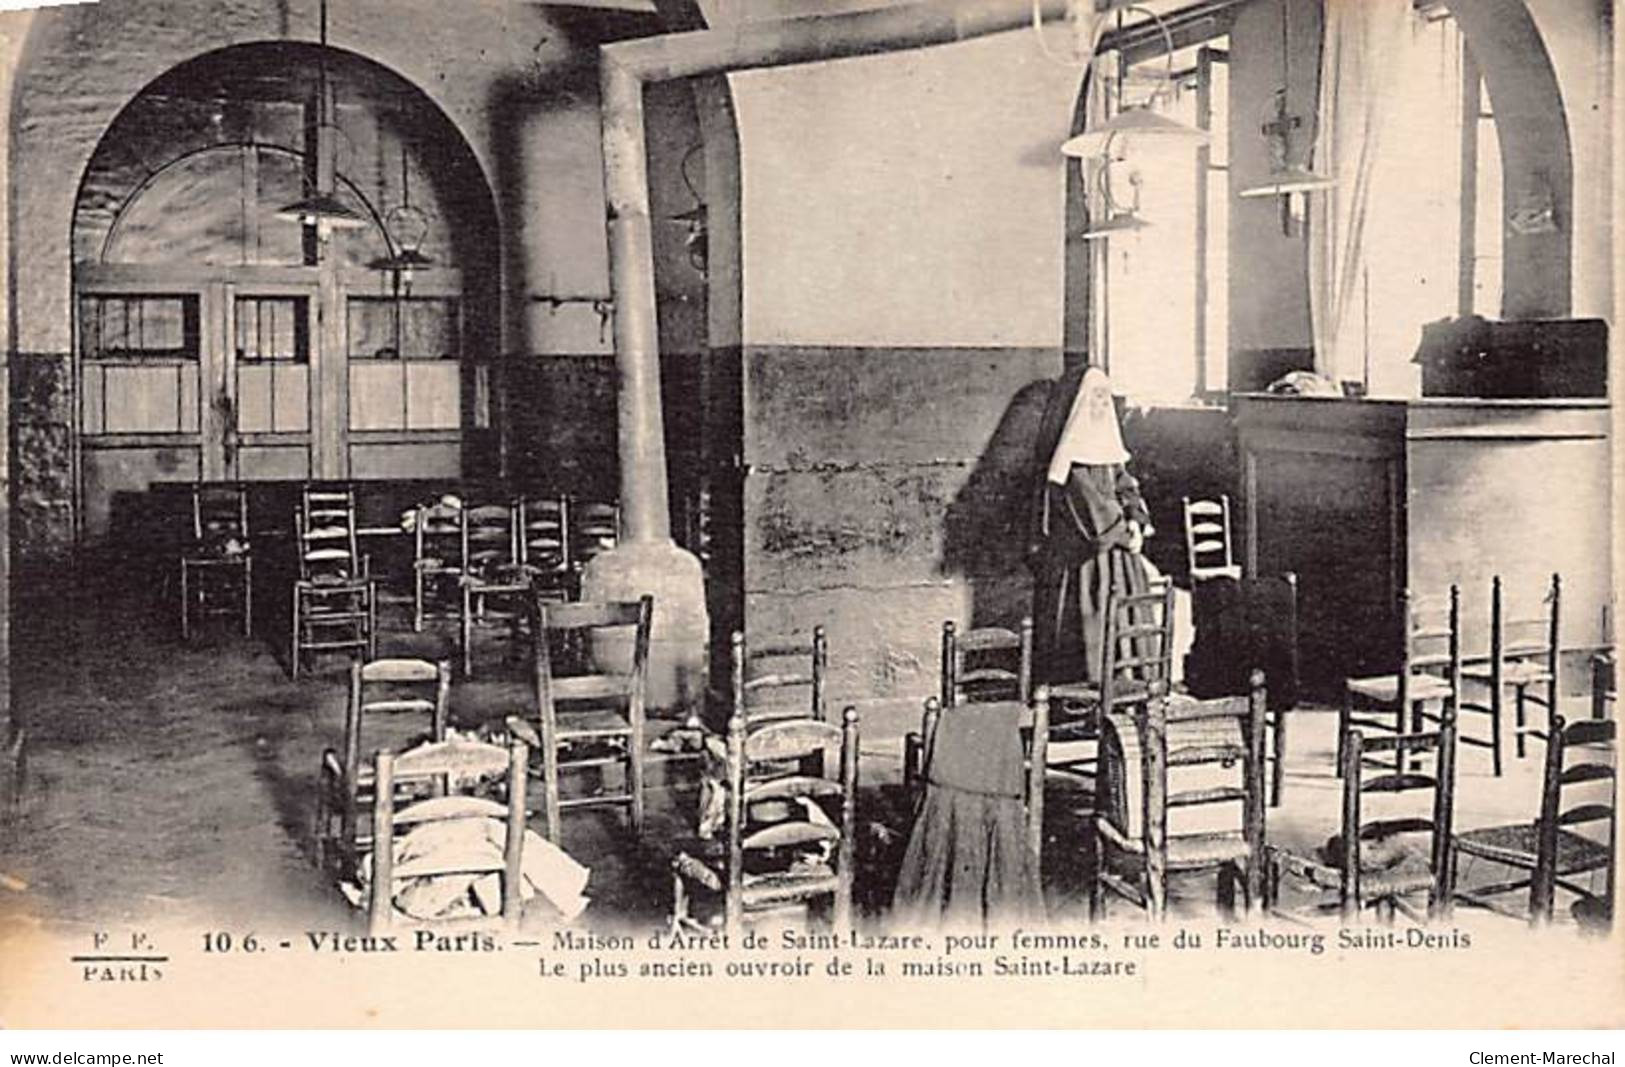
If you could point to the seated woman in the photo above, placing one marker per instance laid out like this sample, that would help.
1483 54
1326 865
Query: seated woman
1089 527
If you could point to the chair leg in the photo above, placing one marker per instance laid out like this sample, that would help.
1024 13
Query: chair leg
248 598
186 605
634 772
1093 857
417 600
1519 721
1278 771
550 784
1344 714
1495 729
372 621
468 632
293 645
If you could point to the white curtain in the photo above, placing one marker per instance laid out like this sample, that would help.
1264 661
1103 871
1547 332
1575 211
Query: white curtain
1357 102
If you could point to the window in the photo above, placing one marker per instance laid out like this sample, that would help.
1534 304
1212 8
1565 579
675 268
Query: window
139 363
1432 241
408 328
405 372
272 337
138 327
272 329
1164 326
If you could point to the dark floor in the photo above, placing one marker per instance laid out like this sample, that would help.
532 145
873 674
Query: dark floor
170 782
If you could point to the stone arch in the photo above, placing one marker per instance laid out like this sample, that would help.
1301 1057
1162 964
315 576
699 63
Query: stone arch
1537 160
61 108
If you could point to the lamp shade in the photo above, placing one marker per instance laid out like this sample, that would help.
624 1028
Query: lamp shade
1120 224
1293 179
1133 122
323 209
408 259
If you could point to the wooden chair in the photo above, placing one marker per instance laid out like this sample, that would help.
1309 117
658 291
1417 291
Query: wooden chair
544 545
779 679
1523 657
592 719
985 663
445 764
1208 547
1035 733
1181 736
762 869
218 557
334 600
1408 693
495 584
1245 624
595 526
381 687
1137 654
438 562
1549 849
1386 890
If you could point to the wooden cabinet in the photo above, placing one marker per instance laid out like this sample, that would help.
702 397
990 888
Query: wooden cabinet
1364 497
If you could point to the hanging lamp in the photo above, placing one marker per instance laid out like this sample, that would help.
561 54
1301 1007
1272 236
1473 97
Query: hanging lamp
321 207
405 228
1119 221
1287 175
1140 119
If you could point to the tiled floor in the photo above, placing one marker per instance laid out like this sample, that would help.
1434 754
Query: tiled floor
176 782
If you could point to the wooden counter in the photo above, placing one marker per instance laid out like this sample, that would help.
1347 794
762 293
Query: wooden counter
1364 497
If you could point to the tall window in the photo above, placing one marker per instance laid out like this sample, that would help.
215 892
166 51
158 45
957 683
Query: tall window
1432 239
1164 320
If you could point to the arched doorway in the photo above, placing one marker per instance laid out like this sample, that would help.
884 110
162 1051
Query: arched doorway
215 338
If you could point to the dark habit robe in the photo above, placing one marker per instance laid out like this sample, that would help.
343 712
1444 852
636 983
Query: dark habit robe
1079 548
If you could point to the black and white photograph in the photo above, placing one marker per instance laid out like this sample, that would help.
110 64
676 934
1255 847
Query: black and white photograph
810 513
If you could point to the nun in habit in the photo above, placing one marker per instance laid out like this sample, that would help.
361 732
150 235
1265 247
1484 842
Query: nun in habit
1089 527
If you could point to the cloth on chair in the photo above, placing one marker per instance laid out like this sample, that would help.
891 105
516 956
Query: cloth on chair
547 869
967 860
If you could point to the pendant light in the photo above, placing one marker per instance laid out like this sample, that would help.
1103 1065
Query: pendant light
1287 175
1141 119
405 228
320 207
1119 220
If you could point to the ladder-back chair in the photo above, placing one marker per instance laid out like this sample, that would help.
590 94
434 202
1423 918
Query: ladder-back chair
1209 550
445 765
1552 850
217 564
595 527
544 545
439 551
334 599
980 664
1163 741
384 687
593 718
1387 887
1524 659
784 863
1137 654
1430 666
495 585
778 679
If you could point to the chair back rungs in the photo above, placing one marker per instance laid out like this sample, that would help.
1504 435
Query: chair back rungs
987 662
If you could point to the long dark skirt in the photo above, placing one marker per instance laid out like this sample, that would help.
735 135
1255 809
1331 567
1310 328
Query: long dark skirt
968 863
1069 613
